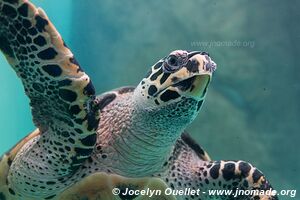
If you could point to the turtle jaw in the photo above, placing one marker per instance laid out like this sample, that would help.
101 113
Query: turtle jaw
199 86
193 87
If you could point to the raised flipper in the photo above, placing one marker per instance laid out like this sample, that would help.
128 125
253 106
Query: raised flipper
186 169
61 97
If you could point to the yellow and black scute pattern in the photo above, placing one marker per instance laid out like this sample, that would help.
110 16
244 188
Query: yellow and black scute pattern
61 97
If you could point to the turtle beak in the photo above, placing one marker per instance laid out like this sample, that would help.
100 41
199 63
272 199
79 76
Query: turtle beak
200 63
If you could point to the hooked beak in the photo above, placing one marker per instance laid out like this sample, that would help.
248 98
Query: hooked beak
199 57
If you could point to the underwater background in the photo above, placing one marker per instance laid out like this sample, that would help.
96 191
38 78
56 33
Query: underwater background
252 110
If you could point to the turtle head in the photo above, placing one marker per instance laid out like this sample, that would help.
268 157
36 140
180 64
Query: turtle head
175 88
176 85
179 76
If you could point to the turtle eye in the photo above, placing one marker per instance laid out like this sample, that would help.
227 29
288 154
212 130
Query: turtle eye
172 60
172 63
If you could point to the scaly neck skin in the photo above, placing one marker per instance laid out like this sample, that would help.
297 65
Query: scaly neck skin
142 148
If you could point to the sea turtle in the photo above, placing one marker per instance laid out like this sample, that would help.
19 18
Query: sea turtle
127 139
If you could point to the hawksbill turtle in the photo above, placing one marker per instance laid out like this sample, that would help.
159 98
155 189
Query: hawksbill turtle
131 138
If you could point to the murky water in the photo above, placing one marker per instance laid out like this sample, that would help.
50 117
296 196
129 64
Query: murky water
252 109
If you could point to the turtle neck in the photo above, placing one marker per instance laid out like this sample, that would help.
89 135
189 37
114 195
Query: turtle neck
138 141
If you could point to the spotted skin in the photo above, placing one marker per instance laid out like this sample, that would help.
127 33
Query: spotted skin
189 166
6 161
188 169
97 185
93 187
73 156
188 140
104 99
61 98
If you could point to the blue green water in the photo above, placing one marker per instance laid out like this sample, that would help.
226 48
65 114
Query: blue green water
252 109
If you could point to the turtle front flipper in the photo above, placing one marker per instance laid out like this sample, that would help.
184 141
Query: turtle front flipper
188 168
61 97
229 180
